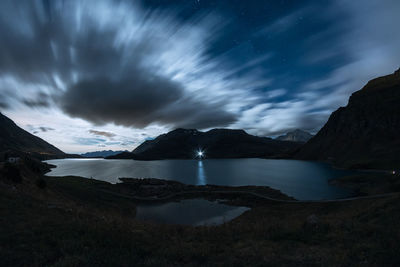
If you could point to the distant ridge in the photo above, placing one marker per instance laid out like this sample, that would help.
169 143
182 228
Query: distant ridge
102 154
296 136
13 138
365 133
216 143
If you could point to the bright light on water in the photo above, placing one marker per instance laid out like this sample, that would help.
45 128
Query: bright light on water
200 174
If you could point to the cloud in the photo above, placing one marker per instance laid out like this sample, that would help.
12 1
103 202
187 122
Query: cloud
128 143
359 49
46 129
371 46
140 100
102 133
126 67
39 129
6 97
285 23
113 62
41 101
89 141
276 93
3 104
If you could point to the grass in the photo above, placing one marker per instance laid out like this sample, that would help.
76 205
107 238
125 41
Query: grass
69 223
372 183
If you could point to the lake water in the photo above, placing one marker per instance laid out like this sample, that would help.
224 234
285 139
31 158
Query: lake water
189 212
303 180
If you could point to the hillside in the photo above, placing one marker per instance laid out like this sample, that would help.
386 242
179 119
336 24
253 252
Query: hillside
13 138
74 221
365 133
216 143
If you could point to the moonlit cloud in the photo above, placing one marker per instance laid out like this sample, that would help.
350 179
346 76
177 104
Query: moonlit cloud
102 133
135 70
116 63
371 49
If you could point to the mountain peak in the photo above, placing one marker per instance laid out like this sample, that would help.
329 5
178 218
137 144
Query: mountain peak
296 135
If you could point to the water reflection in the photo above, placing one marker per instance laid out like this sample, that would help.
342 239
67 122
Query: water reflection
200 174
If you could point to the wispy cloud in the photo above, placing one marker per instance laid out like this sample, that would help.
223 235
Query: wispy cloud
368 44
109 62
76 65
102 133
286 22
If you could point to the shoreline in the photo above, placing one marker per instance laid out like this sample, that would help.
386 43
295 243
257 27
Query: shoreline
213 191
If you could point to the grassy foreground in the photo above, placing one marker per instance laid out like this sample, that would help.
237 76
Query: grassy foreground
68 222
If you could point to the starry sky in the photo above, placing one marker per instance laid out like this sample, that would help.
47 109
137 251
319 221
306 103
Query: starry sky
109 74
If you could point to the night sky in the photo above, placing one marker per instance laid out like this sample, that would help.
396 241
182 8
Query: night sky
95 75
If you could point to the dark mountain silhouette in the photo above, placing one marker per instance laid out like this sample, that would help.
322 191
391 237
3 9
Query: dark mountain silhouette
216 143
365 133
15 139
102 154
296 136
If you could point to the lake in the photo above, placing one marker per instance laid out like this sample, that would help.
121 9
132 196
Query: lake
303 180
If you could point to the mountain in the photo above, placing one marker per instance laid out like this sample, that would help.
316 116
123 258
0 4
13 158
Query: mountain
216 143
296 136
102 154
365 133
13 138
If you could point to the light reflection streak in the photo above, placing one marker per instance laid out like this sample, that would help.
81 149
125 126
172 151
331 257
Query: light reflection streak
200 174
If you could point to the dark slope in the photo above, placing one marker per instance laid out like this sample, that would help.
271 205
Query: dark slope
296 136
365 133
13 138
216 143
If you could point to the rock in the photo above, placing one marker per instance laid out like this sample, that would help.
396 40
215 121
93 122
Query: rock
296 136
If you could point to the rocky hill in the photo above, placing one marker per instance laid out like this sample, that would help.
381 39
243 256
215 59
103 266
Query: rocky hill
216 143
296 136
365 133
15 139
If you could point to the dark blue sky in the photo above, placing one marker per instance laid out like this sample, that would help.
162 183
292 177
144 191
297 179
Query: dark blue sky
112 73
284 28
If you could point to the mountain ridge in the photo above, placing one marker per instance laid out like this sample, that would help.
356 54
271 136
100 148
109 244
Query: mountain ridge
364 133
216 143
102 153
